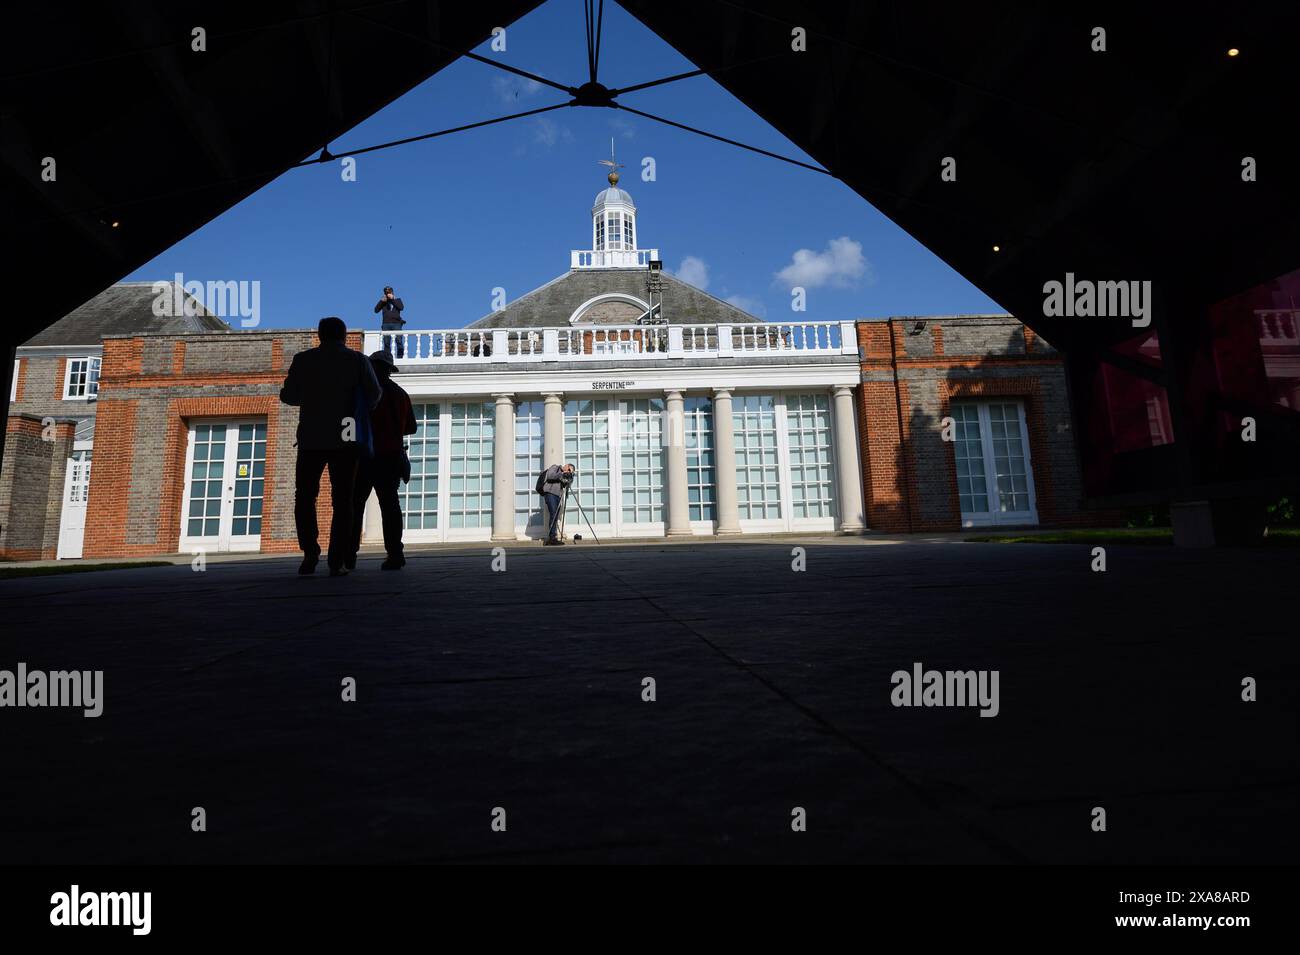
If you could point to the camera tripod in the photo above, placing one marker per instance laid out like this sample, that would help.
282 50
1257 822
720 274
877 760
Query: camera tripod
564 506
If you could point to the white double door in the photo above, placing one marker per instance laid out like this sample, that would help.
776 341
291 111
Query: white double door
995 478
225 465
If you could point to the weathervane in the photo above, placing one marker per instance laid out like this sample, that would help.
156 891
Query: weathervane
613 166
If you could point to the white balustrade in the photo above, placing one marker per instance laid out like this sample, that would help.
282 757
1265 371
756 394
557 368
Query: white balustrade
612 258
430 347
1279 325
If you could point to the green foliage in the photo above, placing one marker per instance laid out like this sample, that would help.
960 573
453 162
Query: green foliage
1281 512
1156 515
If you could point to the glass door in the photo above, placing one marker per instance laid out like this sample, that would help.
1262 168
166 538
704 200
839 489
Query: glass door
225 486
995 482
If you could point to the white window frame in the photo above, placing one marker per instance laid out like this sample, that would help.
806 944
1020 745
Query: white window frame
640 432
604 444
739 414
483 461
93 363
994 516
700 439
826 498
529 447
423 447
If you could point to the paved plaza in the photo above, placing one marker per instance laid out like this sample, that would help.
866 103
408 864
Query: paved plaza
523 689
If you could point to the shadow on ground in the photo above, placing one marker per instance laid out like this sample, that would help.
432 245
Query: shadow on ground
523 690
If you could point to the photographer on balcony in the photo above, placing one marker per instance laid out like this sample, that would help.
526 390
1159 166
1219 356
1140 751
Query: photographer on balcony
389 308
551 484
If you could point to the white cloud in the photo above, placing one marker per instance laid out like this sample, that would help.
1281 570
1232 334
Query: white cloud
840 265
693 271
753 306
547 132
512 88
623 128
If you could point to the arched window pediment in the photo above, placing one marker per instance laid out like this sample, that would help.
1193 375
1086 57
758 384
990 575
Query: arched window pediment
605 310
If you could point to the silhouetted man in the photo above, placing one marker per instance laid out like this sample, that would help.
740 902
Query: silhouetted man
390 421
333 386
389 310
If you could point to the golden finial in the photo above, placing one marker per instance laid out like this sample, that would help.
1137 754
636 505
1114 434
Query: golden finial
613 166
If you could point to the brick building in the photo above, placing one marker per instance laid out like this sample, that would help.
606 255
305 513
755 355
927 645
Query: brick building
684 415
53 399
1007 456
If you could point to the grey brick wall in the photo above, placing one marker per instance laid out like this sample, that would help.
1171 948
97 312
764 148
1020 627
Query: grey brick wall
280 485
146 490
982 338
1057 477
225 354
157 357
43 388
31 492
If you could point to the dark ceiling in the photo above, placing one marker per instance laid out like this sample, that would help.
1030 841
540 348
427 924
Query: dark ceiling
1122 165
162 140
1117 165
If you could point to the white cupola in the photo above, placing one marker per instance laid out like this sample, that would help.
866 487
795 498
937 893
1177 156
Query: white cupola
613 229
613 217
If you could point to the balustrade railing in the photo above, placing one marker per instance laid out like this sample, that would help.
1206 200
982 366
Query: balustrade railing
1279 326
415 348
611 258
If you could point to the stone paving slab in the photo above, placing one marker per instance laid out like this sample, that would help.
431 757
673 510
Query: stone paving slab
523 690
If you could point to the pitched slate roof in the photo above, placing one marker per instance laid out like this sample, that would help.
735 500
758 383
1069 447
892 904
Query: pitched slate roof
554 302
124 309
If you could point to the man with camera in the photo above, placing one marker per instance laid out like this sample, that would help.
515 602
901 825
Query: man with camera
389 310
551 484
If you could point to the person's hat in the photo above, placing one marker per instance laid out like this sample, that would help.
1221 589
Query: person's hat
384 358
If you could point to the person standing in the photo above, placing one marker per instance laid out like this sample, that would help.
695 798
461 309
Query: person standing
552 483
392 419
389 310
331 385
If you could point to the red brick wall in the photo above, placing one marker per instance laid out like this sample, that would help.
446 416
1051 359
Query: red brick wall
902 495
110 476
115 439
885 496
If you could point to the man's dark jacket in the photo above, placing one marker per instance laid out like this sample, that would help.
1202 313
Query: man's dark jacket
323 383
392 419
391 311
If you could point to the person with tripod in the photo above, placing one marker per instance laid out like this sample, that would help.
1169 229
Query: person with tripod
552 484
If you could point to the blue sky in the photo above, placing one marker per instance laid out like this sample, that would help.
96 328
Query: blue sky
448 220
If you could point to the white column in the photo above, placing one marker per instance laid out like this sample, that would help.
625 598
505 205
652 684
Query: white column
553 430
503 470
724 458
674 438
848 470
